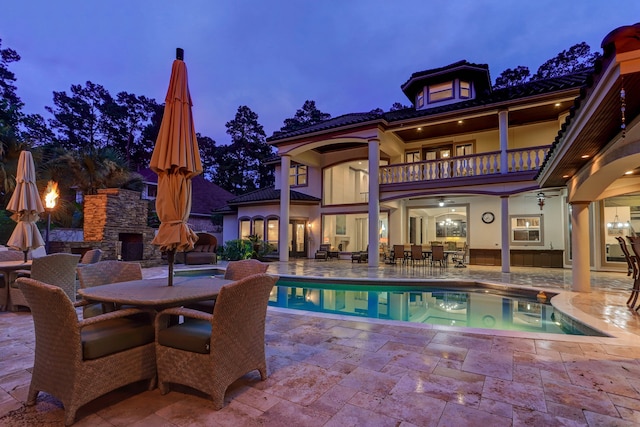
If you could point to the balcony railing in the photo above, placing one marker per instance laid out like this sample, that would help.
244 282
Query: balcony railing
482 164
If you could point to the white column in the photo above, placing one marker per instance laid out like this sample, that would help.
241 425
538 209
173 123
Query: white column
283 239
580 267
506 238
374 202
503 127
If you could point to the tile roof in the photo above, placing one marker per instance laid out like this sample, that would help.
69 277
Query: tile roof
523 91
206 196
335 122
270 194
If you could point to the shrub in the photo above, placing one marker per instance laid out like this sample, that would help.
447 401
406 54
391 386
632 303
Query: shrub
238 249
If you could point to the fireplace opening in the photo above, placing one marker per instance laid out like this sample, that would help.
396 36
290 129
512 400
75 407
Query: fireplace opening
132 246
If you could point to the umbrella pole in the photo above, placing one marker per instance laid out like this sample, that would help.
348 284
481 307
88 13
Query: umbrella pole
25 255
170 259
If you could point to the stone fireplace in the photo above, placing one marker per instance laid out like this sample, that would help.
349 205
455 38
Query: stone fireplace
115 220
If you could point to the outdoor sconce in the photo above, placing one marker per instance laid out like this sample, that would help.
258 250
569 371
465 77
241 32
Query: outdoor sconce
541 198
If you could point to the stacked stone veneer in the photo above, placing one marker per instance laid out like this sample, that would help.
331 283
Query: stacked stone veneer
114 211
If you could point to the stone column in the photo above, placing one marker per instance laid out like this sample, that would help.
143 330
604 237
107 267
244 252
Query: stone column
580 267
285 196
374 202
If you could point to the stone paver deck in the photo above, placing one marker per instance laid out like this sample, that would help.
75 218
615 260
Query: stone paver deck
328 370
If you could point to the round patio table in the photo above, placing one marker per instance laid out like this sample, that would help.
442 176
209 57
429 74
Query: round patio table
155 292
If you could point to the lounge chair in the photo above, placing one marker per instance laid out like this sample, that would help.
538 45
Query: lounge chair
323 252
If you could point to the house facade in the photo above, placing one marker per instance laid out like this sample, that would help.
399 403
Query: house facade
502 173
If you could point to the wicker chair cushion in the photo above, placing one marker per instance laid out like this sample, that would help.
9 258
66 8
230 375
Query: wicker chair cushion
115 335
206 306
193 336
91 310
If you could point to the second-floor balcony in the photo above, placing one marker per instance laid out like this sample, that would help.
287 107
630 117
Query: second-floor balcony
475 165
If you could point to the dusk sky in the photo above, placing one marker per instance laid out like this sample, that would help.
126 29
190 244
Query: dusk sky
347 55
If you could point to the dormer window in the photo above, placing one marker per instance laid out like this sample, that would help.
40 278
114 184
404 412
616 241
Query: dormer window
420 99
457 82
465 90
440 92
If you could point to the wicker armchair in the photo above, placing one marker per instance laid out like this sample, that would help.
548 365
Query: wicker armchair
91 256
236 270
5 281
78 361
103 273
212 351
55 269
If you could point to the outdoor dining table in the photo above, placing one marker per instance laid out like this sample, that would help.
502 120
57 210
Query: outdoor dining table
426 253
8 268
155 293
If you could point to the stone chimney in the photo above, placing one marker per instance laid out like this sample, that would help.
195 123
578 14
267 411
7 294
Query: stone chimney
116 219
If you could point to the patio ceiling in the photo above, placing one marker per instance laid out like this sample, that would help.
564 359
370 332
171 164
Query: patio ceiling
600 130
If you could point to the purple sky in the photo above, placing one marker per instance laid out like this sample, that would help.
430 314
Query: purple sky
347 55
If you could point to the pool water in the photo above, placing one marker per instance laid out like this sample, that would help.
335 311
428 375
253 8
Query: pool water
470 305
463 304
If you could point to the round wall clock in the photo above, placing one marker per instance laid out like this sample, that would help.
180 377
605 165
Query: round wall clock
488 217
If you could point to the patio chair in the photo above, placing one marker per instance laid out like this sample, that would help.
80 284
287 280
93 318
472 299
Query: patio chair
416 254
78 361
323 252
103 273
632 267
5 280
437 255
360 256
55 269
236 270
90 257
212 351
398 253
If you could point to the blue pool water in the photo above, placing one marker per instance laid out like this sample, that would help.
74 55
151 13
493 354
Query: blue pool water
463 304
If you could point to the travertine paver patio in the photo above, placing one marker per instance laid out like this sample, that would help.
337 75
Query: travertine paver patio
330 370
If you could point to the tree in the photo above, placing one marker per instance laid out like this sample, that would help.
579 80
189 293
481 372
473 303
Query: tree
514 77
306 116
398 106
142 151
10 103
78 119
208 152
239 167
127 119
577 58
90 169
35 130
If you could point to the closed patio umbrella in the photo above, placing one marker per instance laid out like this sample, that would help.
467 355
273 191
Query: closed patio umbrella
176 159
26 206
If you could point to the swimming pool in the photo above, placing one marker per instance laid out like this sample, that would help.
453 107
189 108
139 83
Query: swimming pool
451 303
